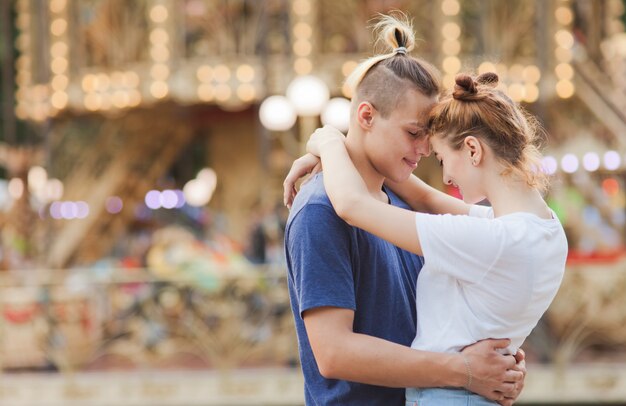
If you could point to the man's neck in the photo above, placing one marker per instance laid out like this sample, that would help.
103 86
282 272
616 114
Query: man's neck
373 179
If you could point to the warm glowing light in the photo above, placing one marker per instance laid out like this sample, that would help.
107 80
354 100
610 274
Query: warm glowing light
22 62
158 14
517 92
92 101
159 89
131 79
204 73
37 178
206 92
159 53
58 26
159 36
22 41
301 7
277 113
303 66
302 30
120 99
450 7
448 80
451 64
59 100
117 79
564 15
531 93
451 30
531 74
103 82
58 49
246 92
337 113
134 98
308 94
503 71
564 38
564 71
563 54
221 73
107 103
610 186
486 67
302 47
59 82
159 71
516 72
16 188
565 89
57 6
451 47
59 65
21 111
223 92
22 21
245 73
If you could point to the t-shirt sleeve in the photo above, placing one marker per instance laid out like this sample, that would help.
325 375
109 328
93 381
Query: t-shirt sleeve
481 211
318 252
464 247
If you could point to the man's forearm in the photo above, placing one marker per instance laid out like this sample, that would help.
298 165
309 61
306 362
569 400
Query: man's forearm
365 359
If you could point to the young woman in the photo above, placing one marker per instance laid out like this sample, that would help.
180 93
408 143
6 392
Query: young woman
489 272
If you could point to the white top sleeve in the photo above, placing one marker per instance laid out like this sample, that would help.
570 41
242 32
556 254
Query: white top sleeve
464 247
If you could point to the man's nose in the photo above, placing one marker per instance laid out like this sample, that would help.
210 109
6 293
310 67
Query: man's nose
422 146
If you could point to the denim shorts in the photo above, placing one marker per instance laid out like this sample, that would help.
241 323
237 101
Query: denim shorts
444 397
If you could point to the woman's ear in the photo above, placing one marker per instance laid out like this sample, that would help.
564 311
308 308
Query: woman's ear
474 148
365 113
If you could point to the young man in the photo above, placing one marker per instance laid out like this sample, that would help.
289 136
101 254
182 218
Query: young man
353 294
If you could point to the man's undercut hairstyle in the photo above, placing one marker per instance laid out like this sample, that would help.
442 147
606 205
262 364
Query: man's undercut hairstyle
383 79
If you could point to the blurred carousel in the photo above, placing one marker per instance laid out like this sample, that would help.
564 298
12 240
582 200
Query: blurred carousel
158 128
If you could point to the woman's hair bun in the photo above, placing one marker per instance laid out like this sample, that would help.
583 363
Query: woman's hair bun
464 87
488 79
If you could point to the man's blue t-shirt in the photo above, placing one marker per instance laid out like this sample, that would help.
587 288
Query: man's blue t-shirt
331 263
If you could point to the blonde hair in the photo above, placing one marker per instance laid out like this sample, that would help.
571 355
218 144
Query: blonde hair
475 107
383 79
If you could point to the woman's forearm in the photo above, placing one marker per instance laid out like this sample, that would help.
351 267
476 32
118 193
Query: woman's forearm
344 185
424 198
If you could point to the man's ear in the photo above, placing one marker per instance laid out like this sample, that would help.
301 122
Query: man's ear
474 148
365 113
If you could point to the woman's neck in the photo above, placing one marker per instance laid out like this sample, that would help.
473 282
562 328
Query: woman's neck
509 195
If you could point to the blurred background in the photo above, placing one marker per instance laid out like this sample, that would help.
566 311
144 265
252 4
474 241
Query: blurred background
143 146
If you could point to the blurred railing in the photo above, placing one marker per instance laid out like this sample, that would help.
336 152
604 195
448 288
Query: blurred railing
227 337
129 319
